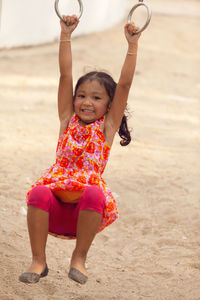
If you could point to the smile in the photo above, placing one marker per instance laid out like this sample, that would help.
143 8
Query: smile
87 110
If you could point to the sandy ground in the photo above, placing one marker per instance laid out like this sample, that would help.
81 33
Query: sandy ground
153 250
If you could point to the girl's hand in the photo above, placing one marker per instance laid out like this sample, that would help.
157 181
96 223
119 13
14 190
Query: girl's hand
69 25
129 30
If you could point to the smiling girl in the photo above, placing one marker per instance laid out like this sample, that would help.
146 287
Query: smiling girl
71 199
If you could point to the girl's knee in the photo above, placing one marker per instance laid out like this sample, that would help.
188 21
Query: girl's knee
92 199
40 197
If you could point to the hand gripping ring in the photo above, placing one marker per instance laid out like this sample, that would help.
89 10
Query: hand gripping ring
148 17
58 13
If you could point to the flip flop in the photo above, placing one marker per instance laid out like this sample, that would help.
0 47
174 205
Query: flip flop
29 277
77 276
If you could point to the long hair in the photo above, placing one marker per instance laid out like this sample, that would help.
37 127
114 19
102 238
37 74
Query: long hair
110 87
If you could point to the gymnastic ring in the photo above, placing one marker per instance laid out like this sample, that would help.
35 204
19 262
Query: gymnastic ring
140 3
59 15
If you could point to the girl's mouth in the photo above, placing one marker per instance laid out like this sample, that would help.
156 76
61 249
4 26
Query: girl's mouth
87 110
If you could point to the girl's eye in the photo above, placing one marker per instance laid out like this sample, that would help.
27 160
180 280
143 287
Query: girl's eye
97 98
80 96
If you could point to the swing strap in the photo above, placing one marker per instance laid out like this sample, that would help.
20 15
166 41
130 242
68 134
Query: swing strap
59 15
149 13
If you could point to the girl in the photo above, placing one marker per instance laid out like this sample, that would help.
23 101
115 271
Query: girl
71 200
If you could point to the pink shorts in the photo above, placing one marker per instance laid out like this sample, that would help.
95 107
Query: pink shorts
63 217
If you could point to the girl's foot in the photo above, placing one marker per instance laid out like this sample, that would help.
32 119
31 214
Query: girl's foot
78 271
78 262
77 276
33 277
36 267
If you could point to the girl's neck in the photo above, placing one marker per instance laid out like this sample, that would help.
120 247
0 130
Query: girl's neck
83 124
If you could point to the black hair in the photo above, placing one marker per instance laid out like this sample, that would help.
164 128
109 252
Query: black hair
110 85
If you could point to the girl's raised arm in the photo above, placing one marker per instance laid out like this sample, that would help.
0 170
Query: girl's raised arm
118 105
65 90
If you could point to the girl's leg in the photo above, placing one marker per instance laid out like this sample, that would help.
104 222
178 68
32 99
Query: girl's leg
89 212
39 202
38 225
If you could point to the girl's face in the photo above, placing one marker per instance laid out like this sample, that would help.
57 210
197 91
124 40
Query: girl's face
91 101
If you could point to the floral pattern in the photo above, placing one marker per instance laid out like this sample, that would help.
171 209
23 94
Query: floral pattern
81 157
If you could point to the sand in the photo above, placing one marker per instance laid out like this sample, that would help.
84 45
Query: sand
153 250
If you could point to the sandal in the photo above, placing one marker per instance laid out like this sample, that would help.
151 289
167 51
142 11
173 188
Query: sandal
77 276
29 277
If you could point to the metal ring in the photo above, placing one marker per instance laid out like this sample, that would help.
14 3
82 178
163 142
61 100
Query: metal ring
148 17
59 15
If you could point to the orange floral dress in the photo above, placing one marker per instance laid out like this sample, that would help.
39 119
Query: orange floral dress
81 157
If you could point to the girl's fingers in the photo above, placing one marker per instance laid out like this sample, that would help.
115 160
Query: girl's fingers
70 20
131 28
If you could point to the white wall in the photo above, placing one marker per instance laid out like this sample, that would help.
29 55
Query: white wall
31 22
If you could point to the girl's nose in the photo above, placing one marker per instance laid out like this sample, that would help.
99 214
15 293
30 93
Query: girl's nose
87 101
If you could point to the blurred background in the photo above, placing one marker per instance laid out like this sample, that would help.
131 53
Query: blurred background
35 22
